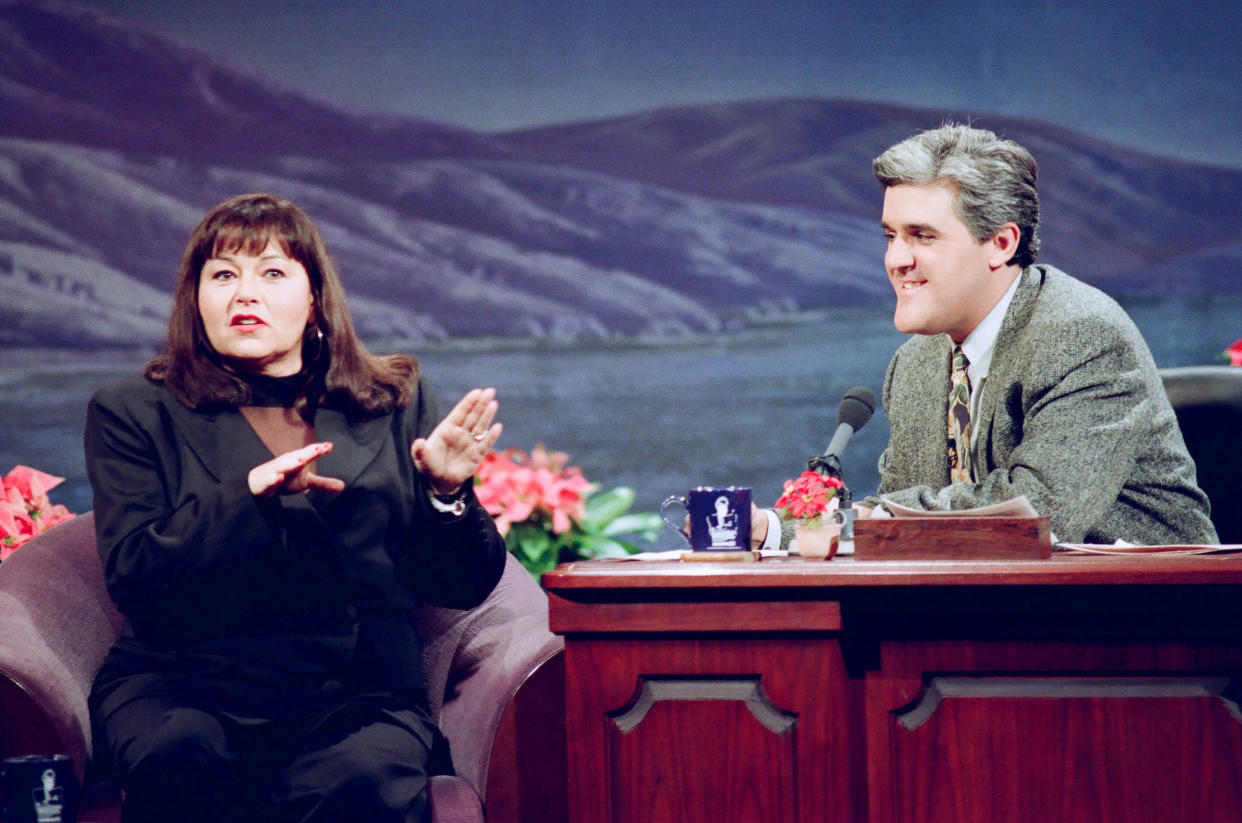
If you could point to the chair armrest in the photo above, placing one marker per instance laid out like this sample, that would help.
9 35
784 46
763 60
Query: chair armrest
452 800
476 660
58 624
1203 386
527 775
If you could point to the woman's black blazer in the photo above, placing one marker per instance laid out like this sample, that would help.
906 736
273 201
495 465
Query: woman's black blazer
225 593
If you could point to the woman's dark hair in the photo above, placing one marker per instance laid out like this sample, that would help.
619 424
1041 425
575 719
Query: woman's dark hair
337 369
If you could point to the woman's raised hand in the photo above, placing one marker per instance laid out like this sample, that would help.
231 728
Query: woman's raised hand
291 473
451 454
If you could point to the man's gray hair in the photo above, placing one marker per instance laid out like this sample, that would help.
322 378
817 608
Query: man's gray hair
994 178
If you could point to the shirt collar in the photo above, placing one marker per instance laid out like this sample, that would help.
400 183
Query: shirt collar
979 344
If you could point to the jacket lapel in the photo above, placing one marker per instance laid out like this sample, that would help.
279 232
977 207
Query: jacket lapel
923 404
222 441
355 444
1006 358
937 397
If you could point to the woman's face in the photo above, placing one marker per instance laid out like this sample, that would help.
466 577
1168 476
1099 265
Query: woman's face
255 309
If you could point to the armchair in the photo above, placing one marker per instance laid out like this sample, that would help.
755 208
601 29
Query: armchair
494 674
1208 404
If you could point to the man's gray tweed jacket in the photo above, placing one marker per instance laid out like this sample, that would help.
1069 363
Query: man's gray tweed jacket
1073 415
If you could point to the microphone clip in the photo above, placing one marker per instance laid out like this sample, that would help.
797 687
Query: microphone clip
829 465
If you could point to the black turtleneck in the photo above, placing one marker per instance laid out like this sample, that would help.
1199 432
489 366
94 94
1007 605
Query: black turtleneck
270 412
272 391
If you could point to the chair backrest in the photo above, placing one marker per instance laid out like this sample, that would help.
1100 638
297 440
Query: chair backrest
1208 403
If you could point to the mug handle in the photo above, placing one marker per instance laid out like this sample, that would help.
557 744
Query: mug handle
681 501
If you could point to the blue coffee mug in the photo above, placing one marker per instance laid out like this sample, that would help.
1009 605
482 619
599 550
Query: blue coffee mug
40 789
719 517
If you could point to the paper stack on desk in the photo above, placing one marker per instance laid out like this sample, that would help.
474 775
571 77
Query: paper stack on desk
1124 548
1017 507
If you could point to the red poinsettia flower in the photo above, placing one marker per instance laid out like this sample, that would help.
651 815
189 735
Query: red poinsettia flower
515 487
1234 353
25 509
808 497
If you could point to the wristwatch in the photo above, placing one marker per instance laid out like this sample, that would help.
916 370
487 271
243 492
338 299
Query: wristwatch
454 504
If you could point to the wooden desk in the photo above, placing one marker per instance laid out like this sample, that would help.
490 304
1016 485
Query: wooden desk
1079 688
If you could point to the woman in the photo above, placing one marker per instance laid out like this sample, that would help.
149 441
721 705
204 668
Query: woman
271 500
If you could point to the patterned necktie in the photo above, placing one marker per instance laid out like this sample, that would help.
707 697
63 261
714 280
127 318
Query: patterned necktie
959 420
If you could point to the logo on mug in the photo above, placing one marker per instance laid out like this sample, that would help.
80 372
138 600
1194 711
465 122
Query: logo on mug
49 800
722 525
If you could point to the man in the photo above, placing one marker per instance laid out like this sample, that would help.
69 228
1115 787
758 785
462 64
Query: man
1054 396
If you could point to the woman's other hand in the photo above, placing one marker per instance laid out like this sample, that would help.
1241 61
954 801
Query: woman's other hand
291 473
451 454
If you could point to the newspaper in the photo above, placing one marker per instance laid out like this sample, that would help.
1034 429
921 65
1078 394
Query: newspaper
1016 507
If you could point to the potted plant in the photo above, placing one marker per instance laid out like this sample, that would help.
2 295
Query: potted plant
809 501
549 513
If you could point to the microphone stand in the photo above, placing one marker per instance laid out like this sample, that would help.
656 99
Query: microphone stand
829 465
854 412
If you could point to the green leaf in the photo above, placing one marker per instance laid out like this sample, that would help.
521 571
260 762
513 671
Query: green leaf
604 507
646 525
533 546
545 563
596 546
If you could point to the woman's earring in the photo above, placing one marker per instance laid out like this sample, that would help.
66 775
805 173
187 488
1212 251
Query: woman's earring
318 342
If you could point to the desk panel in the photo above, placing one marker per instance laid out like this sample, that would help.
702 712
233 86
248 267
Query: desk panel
1073 689
1049 731
722 729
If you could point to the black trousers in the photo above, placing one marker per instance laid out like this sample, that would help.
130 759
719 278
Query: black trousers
363 758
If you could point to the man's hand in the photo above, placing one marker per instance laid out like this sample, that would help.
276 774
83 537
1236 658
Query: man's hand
758 526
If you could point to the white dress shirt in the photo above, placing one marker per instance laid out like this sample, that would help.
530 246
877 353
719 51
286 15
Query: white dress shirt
978 347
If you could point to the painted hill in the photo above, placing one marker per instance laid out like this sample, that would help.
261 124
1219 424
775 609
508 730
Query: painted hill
666 222
1110 214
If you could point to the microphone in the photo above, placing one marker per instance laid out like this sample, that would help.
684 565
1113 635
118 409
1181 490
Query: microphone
855 410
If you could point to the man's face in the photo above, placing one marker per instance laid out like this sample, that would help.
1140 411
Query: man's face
946 281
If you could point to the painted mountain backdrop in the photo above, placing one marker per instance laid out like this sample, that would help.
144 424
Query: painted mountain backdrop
115 139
